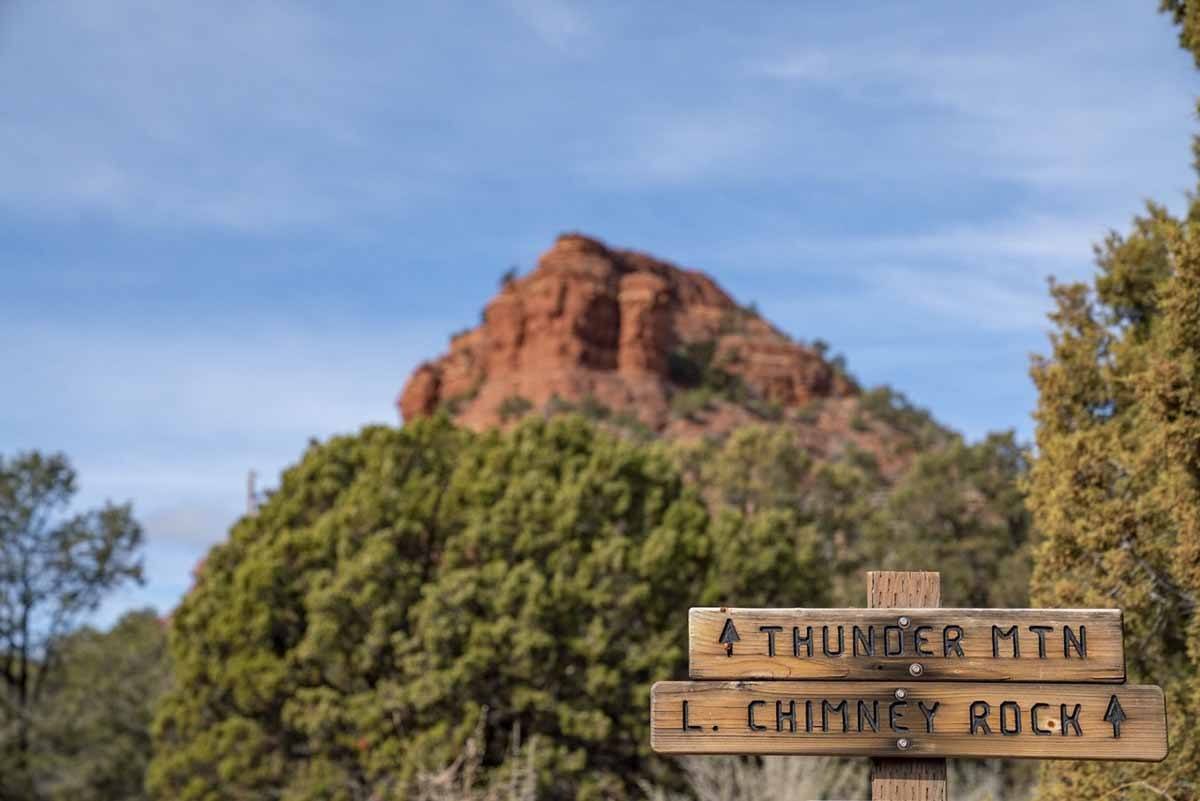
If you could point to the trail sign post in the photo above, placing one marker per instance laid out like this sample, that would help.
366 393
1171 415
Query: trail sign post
909 684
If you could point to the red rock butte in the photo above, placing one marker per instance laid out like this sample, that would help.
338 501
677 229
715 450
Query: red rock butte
626 335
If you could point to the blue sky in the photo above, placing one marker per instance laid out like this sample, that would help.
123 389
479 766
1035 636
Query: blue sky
228 227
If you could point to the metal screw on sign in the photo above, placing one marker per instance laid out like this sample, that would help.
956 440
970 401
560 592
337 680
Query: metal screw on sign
903 621
916 669
903 743
901 694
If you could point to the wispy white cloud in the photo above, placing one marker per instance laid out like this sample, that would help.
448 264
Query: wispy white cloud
173 420
911 309
558 23
980 301
255 380
657 150
186 524
1003 106
1030 242
1037 239
988 275
173 114
273 115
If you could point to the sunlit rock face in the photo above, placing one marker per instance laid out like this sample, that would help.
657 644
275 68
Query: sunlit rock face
624 335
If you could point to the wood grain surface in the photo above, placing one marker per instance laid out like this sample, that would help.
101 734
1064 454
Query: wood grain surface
758 717
1043 645
906 779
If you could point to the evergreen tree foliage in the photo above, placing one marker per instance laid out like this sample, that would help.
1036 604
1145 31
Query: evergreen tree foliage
402 581
1186 14
55 567
960 510
1116 487
92 737
761 471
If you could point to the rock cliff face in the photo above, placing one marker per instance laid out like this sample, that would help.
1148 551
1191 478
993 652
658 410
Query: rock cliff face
626 337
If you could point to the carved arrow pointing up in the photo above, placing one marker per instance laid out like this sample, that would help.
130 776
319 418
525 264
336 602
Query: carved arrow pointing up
1115 715
729 636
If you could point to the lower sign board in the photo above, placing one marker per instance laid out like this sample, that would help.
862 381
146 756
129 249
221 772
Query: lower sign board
923 719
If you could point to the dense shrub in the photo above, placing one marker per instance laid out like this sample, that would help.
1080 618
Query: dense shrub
1116 485
402 580
92 736
514 407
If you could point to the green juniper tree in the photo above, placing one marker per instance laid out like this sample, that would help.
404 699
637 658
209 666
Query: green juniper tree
959 506
401 582
1115 489
959 509
1116 486
54 568
93 733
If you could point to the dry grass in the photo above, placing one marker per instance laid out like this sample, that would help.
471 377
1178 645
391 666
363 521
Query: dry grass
991 780
776 778
719 778
463 779
817 778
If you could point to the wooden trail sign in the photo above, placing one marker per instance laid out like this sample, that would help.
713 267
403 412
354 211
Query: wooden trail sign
907 644
920 719
909 683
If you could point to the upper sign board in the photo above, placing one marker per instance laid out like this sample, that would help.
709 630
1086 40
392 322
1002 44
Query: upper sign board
1042 645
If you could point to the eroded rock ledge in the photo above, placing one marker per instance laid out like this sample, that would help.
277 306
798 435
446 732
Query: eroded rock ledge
624 332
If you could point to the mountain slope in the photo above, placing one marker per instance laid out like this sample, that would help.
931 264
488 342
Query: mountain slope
635 340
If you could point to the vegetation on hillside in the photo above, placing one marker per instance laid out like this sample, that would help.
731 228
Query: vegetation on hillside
1116 487
400 581
93 733
704 379
55 567
959 508
347 639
